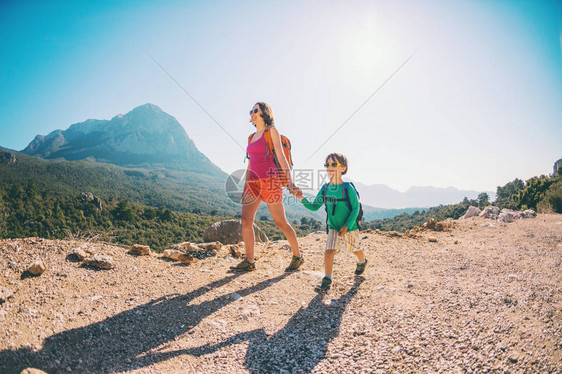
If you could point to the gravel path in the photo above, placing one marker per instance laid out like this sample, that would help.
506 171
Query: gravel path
482 298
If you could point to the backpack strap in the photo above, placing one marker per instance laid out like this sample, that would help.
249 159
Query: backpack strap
324 198
323 189
329 199
268 141
346 194
355 188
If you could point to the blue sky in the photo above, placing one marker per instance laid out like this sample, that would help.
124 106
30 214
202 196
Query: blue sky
477 105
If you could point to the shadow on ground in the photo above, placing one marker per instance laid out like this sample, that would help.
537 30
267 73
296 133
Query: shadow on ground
297 347
115 343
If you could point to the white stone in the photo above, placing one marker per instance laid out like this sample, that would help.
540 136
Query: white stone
100 261
508 215
471 212
529 213
490 212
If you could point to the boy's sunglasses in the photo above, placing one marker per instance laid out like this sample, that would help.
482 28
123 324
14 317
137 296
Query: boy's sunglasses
254 110
332 164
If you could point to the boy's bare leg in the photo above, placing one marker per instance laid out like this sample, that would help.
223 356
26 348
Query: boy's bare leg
329 255
360 255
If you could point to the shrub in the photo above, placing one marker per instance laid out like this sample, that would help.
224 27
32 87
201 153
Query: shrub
552 201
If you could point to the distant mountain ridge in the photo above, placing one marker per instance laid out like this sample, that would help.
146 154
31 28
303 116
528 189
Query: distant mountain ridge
154 148
146 137
382 196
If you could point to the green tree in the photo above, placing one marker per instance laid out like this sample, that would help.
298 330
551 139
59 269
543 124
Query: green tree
31 190
164 214
149 213
552 201
124 211
3 217
483 200
15 192
505 196
533 192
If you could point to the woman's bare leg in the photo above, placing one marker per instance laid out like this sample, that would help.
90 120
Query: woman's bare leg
249 209
278 213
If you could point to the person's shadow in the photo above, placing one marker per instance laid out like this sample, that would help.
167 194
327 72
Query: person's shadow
297 347
116 343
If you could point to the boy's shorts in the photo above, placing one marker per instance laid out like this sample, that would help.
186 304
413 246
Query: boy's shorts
268 189
349 242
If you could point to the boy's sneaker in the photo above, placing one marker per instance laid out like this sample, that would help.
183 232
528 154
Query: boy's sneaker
361 267
244 266
296 263
325 284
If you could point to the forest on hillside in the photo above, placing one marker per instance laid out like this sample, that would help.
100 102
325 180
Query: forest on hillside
32 212
542 194
34 202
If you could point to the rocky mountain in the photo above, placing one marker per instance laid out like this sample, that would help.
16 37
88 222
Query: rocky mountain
145 137
382 196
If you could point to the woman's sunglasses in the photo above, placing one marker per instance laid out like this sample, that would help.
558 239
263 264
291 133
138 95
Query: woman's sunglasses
332 164
254 110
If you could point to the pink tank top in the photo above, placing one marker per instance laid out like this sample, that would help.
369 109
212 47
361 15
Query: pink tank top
262 164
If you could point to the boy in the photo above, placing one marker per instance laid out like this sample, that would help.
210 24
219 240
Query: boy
343 231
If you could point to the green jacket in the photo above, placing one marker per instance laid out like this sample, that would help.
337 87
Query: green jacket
340 216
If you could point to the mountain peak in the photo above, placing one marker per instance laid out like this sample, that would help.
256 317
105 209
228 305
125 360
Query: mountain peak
144 136
148 107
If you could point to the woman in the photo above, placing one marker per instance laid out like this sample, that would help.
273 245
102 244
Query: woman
263 183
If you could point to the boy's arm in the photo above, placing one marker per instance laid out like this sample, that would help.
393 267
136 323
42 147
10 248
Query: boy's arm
354 207
316 204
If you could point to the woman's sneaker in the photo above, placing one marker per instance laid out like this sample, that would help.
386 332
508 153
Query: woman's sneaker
361 267
325 284
295 264
244 266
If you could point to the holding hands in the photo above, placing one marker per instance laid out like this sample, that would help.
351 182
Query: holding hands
295 191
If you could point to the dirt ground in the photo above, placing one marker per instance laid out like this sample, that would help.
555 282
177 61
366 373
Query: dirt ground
485 297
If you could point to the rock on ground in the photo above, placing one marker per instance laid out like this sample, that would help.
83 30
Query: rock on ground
5 294
141 250
38 267
100 261
230 232
471 212
173 254
32 371
491 212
